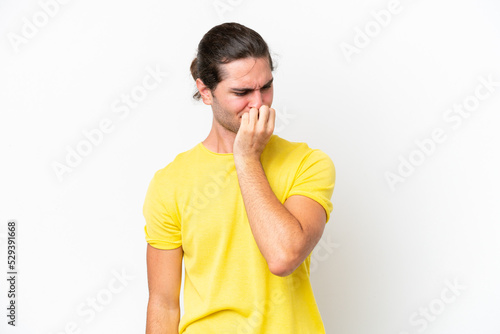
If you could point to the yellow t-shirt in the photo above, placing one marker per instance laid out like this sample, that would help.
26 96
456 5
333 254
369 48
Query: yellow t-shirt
195 202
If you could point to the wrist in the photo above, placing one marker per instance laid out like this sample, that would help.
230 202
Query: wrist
243 160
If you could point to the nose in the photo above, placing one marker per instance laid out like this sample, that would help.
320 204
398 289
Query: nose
255 99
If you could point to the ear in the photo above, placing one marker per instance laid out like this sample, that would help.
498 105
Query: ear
205 92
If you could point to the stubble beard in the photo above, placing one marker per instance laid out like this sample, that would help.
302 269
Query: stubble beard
224 118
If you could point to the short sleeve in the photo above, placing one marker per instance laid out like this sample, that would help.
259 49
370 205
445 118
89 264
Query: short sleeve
162 230
316 180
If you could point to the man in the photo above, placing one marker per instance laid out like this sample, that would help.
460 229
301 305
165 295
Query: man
245 208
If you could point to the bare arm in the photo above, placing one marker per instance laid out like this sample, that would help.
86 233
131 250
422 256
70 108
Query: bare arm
164 281
285 233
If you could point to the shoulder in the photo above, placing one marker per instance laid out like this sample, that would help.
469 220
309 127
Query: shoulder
179 164
278 146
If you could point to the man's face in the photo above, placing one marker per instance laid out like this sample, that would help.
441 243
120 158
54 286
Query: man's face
247 84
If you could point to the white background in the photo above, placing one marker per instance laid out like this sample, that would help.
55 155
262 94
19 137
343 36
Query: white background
396 249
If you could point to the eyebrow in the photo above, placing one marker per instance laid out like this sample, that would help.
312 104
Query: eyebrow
250 89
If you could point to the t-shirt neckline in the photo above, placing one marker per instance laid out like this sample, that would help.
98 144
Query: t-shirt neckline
214 153
224 154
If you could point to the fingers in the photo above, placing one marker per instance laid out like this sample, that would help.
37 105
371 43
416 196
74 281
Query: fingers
245 119
260 120
264 114
253 115
267 118
272 118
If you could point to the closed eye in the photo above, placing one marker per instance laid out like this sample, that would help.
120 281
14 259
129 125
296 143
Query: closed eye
246 92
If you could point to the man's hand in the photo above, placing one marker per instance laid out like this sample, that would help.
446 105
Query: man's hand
256 129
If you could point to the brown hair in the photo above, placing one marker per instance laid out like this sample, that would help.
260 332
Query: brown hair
221 45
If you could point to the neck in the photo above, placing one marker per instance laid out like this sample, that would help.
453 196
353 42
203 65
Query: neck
220 139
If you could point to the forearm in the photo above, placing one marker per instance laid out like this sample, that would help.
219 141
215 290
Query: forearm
162 318
277 232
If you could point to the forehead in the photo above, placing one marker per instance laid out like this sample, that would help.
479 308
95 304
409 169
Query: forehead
247 71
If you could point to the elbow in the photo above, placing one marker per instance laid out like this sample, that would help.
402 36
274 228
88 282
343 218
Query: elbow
287 261
283 267
281 272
